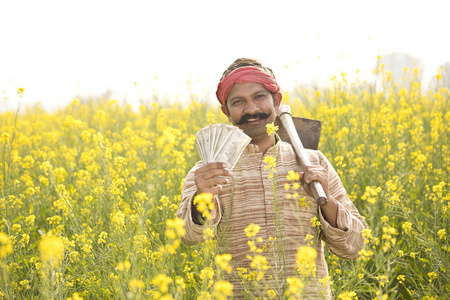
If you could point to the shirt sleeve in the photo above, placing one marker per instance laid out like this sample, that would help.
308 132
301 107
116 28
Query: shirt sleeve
346 240
194 232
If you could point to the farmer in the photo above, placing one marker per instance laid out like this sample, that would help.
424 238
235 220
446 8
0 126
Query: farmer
280 205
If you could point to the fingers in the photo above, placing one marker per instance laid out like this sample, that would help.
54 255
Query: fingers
213 169
314 173
209 178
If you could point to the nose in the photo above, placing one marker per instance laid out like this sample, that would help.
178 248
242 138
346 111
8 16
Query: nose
251 108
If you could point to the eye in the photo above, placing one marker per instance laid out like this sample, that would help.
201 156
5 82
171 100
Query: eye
237 101
260 96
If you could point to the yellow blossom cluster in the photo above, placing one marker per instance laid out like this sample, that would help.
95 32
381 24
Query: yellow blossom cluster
271 129
306 261
205 204
52 250
5 245
252 230
223 262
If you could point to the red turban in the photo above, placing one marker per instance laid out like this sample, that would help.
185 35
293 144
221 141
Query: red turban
245 75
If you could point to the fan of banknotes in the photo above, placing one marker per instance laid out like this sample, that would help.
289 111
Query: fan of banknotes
221 143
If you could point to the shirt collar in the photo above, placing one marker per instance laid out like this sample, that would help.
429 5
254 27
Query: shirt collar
252 148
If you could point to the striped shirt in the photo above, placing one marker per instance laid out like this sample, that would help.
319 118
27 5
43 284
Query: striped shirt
253 197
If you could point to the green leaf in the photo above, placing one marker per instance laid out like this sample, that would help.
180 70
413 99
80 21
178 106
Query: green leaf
424 260
17 219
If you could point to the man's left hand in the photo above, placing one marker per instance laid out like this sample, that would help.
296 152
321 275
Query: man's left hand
312 173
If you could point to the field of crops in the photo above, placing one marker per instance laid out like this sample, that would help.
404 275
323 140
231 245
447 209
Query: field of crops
88 196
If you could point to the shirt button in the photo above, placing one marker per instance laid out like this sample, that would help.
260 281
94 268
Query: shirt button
270 202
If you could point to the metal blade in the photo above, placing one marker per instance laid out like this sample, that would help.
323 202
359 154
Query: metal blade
308 130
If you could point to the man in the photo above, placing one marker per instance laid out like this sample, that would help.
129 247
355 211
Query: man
250 97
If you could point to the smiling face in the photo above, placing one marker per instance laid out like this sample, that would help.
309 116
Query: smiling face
250 106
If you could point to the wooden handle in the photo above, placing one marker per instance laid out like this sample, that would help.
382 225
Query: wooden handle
284 113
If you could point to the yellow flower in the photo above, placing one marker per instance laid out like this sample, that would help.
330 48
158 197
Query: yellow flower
118 219
136 284
102 237
441 234
120 162
315 222
30 220
367 235
295 286
178 224
208 233
407 227
205 204
5 137
347 296
46 166
5 245
75 296
223 289
223 262
207 275
204 296
271 293
260 264
432 276
318 93
293 176
325 281
121 266
309 239
371 194
162 282
252 230
52 250
401 278
271 162
383 279
25 284
365 255
4 239
271 129
169 233
180 283
306 261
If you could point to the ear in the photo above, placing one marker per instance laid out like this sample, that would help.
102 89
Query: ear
224 109
277 100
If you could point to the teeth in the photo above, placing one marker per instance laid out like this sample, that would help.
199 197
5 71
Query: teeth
252 119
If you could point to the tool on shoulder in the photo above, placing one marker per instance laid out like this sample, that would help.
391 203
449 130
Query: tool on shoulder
309 130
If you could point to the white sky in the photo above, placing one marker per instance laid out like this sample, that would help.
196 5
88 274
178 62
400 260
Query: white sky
59 49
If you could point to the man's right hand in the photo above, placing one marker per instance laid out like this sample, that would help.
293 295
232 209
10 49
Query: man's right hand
209 178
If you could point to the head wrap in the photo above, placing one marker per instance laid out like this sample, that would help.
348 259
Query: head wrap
245 75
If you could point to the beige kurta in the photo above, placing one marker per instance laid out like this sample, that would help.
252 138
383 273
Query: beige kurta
250 198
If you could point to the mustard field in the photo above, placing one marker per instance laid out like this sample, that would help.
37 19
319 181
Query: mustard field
89 193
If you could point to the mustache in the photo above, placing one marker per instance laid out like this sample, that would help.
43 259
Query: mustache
260 115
